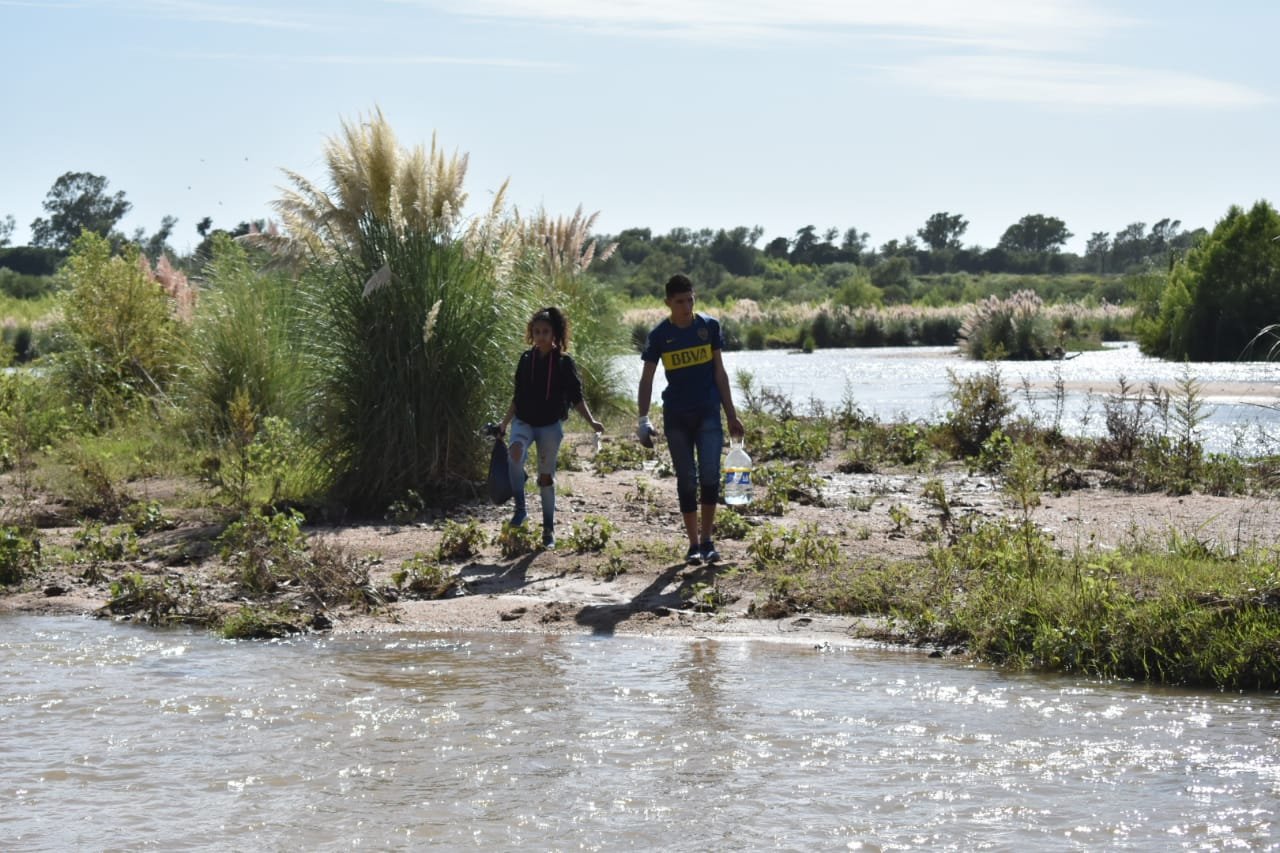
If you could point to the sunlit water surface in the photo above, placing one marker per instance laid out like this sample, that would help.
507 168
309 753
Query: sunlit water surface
119 738
913 382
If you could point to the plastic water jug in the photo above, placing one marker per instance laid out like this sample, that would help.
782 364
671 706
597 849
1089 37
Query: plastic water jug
737 476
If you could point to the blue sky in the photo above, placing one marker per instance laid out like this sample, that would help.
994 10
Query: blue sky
872 114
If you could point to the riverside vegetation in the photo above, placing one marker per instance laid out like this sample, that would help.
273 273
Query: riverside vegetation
1189 609
181 442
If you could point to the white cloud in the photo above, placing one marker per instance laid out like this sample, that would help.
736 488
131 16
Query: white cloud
358 60
1077 84
266 15
1007 23
1011 42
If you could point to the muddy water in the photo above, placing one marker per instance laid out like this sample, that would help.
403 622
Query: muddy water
118 738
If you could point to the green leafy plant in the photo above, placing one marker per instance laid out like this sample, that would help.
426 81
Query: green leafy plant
730 524
980 406
901 518
614 563
262 549
515 542
425 578
156 600
643 495
406 509
120 330
705 597
146 517
460 540
619 456
96 546
252 622
591 534
19 554
784 482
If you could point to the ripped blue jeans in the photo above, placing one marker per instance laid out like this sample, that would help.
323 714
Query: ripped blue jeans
547 439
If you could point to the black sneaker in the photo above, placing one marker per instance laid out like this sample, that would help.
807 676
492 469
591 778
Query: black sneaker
709 552
548 539
693 556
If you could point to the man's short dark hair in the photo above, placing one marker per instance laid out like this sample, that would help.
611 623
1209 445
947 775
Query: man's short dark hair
679 283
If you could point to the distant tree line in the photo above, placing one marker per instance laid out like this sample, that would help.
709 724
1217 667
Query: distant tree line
732 263
1201 296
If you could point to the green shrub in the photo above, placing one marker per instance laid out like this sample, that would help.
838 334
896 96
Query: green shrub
705 597
793 439
980 406
121 335
517 541
156 601
96 546
424 578
258 623
613 565
730 524
460 540
147 517
623 455
795 561
591 534
33 416
28 287
783 483
19 554
264 549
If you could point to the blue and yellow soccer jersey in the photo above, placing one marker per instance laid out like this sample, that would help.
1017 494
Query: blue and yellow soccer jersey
687 357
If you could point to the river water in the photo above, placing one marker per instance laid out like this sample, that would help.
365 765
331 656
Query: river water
115 737
1242 399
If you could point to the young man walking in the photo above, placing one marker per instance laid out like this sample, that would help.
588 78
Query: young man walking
688 344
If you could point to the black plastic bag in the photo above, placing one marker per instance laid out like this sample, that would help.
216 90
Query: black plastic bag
499 476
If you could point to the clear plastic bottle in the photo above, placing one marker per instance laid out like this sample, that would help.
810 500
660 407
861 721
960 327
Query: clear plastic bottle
737 476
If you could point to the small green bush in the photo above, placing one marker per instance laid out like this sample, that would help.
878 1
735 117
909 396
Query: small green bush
515 542
263 549
980 406
460 540
19 554
258 623
156 600
591 534
619 456
424 578
120 329
731 525
96 546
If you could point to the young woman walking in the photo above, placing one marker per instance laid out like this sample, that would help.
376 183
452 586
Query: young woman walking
547 385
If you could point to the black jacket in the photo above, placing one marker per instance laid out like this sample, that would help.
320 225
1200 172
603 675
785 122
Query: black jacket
546 388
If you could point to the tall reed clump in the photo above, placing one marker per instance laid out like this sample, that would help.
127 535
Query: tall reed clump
414 318
248 339
1014 328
